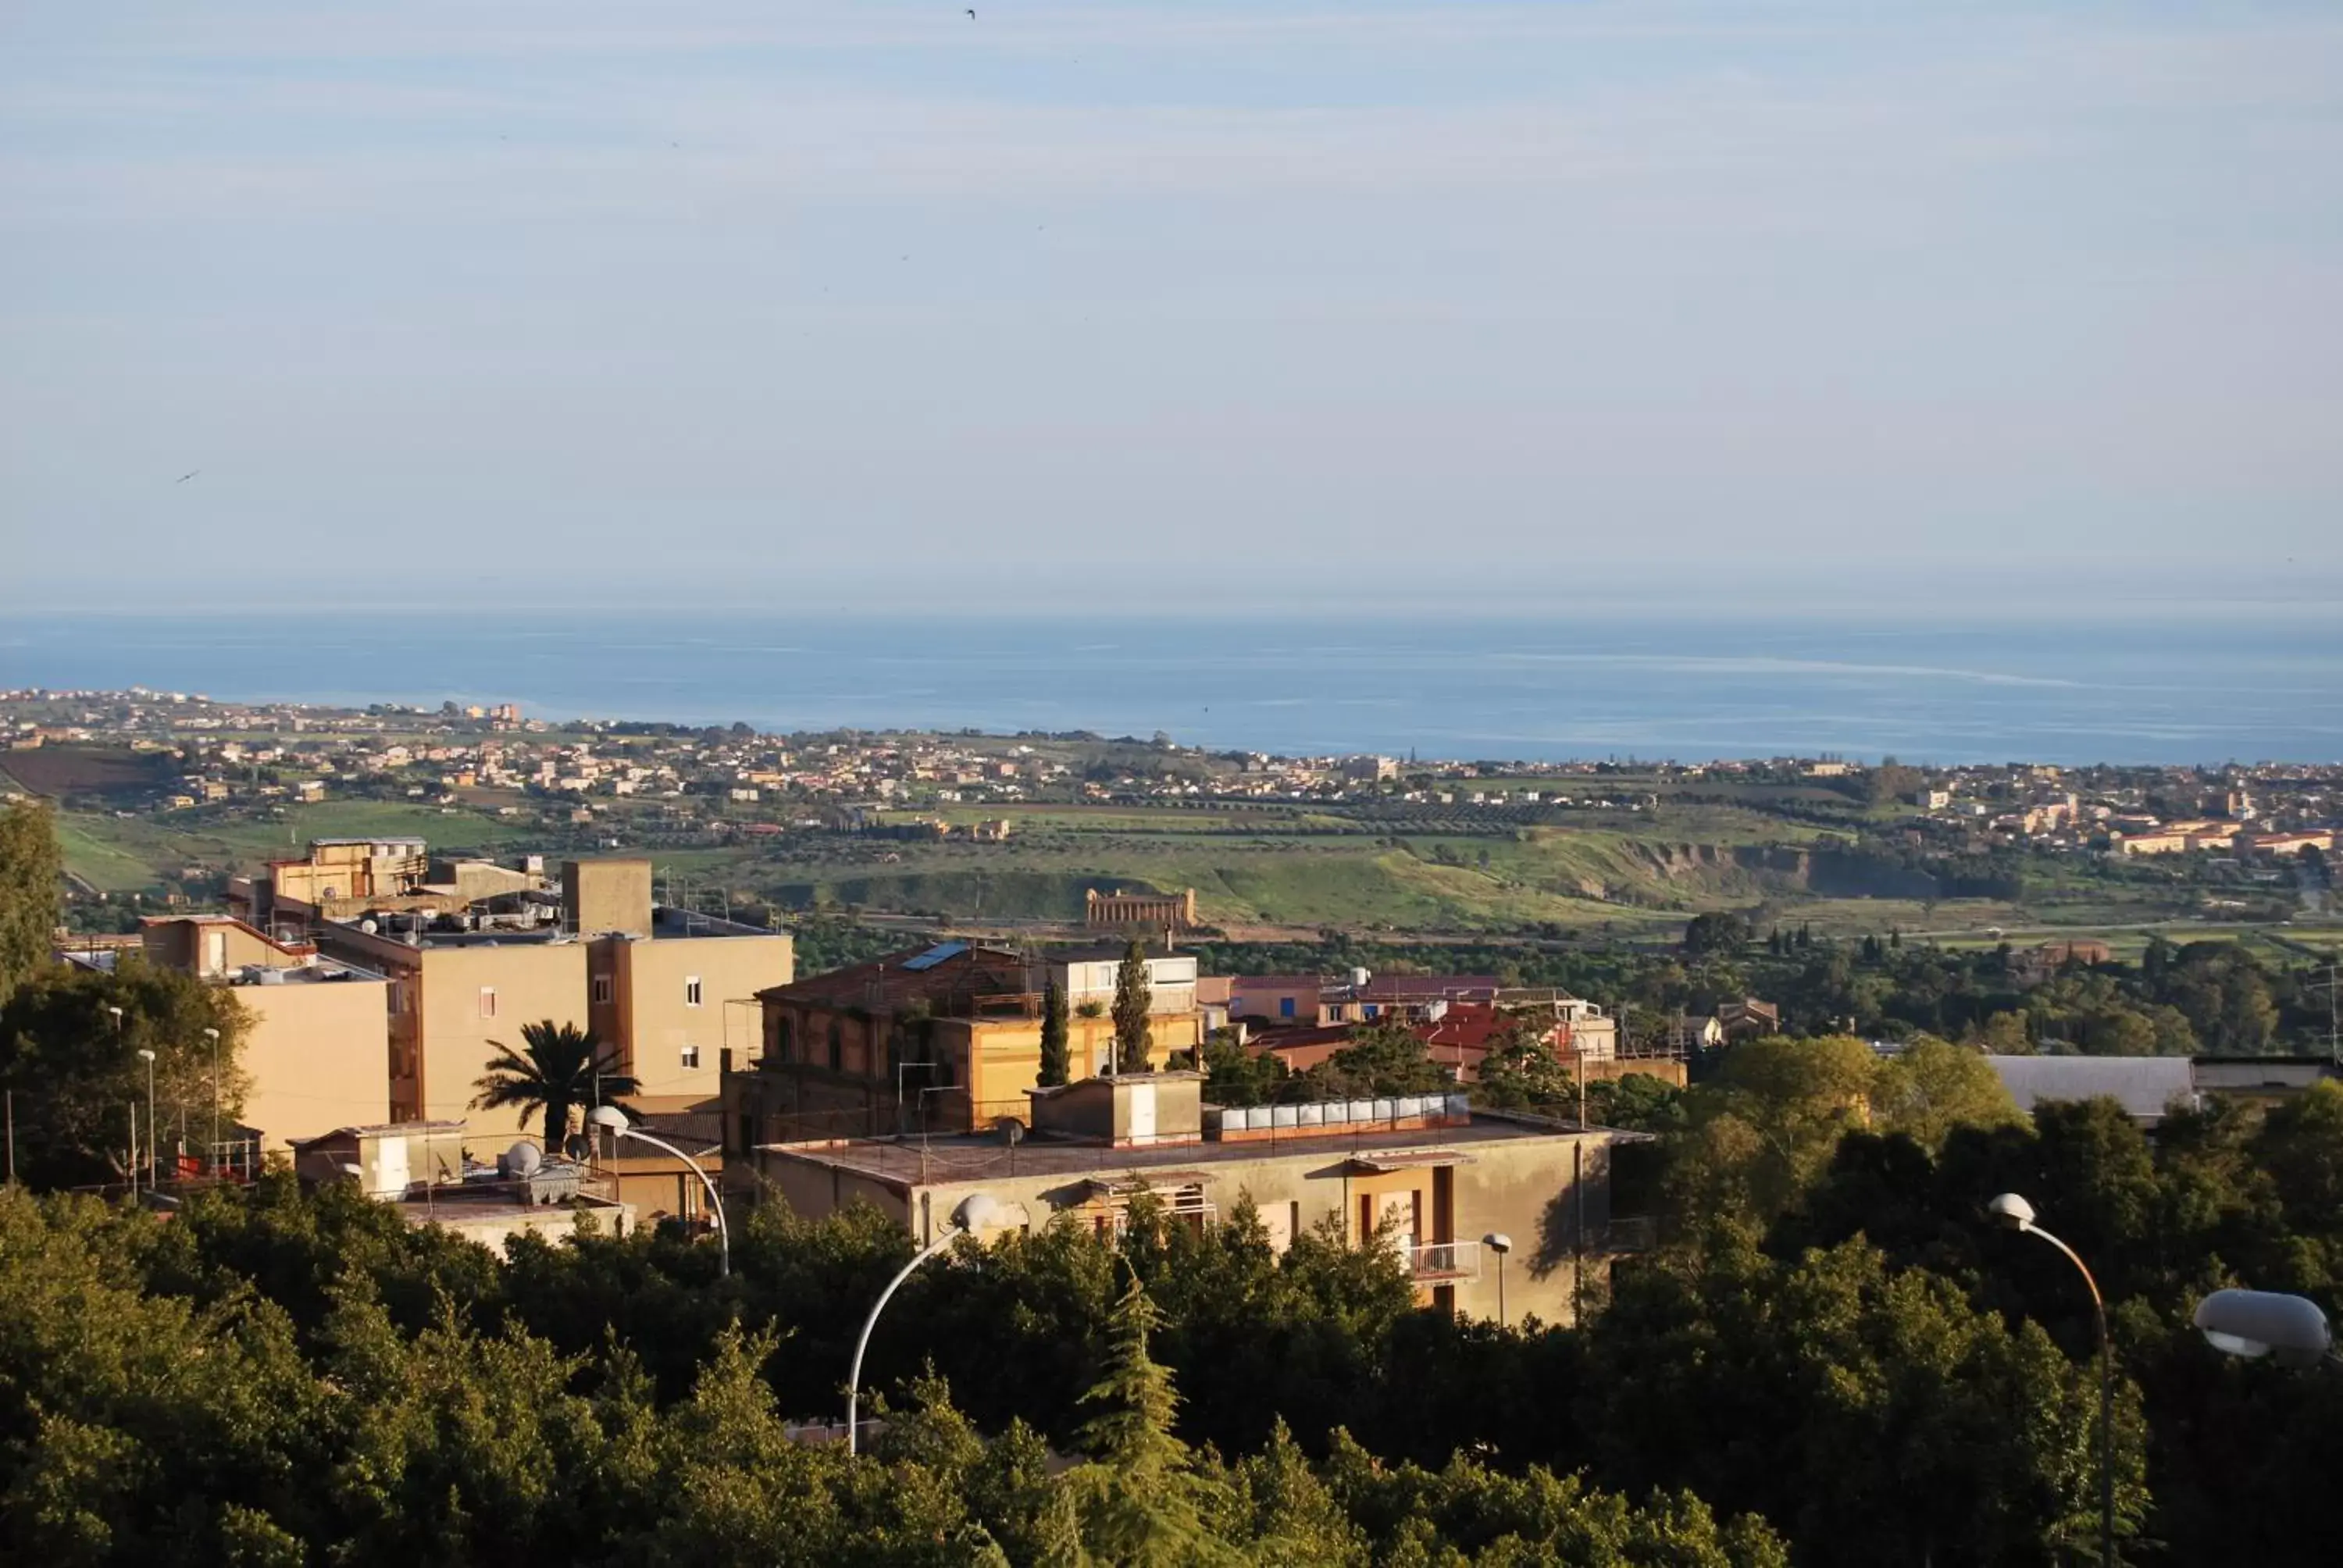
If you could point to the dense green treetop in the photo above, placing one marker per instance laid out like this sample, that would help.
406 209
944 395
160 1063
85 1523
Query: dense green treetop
30 866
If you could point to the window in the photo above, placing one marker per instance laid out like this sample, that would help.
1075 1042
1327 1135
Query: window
487 1001
690 1058
1374 1011
691 990
602 990
1285 1007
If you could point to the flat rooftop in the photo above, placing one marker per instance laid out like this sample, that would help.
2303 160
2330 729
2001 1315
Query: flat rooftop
909 1161
316 971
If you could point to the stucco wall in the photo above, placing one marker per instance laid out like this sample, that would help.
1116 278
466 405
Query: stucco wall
319 1058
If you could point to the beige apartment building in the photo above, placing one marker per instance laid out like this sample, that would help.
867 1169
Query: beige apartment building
668 989
1487 1213
317 1048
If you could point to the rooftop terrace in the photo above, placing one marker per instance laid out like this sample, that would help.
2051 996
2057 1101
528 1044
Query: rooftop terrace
968 1157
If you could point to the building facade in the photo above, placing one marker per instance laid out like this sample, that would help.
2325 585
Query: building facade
1437 1184
315 1053
948 1036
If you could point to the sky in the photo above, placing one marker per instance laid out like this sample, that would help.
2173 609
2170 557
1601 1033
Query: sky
1214 305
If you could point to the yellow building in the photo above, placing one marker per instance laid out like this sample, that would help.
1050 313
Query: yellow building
948 1036
1437 1183
316 1045
673 990
660 986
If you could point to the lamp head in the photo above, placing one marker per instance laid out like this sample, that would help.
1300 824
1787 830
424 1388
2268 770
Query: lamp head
1497 1242
609 1116
976 1211
146 1055
2254 1323
2012 1211
211 1034
115 1011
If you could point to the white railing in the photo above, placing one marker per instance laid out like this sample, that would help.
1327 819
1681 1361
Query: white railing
1339 1115
1443 1260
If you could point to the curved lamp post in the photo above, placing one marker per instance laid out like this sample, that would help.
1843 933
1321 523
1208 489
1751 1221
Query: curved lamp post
615 1119
2290 1330
1497 1242
974 1213
2018 1214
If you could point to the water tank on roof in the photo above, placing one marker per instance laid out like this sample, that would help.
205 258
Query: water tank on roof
268 976
1360 978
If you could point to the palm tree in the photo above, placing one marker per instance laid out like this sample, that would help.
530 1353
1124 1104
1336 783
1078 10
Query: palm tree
562 1067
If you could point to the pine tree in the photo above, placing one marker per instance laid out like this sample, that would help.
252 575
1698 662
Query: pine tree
1141 1499
1131 1003
1055 1056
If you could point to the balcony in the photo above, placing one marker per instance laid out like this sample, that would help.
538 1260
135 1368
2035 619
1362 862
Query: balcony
1443 1262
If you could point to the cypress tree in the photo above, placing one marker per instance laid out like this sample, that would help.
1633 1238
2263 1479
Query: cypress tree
1055 1056
1131 1001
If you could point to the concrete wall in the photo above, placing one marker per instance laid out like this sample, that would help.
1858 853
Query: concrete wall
319 1057
603 895
212 948
1000 1059
656 1018
533 983
351 871
1256 1001
1170 982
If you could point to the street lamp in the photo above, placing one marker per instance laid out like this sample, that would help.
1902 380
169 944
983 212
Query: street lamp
1497 1242
614 1120
2290 1330
2018 1214
213 1035
152 1139
975 1212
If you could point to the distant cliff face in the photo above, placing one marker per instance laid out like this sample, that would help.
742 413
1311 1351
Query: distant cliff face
1832 873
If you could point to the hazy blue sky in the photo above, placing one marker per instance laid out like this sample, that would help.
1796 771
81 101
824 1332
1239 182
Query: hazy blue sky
1168 306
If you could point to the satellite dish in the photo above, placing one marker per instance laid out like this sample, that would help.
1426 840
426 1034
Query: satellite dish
523 1159
368 927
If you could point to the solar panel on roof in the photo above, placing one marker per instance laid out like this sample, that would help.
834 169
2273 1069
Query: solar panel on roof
936 955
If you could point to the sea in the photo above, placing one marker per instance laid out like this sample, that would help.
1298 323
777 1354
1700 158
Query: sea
1674 683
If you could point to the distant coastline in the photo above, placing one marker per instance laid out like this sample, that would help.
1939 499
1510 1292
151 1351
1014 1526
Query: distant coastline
1690 689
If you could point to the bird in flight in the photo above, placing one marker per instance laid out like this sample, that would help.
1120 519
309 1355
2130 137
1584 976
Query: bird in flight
971 15
186 477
